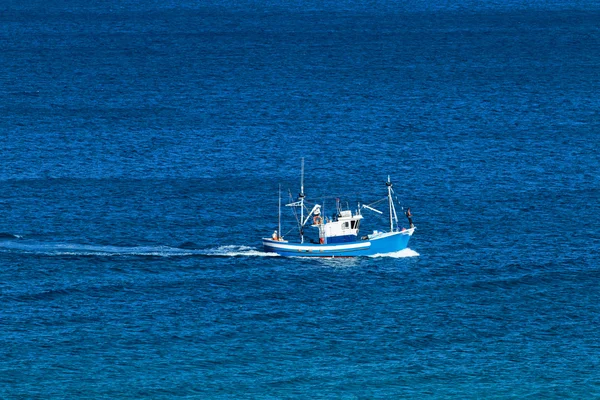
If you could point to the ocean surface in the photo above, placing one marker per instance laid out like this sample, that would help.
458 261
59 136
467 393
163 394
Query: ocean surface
142 145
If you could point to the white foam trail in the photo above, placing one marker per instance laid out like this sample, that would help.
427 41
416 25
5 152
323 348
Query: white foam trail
62 249
4 235
236 251
398 254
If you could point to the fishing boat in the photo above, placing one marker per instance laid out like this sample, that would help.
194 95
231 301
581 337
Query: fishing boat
338 236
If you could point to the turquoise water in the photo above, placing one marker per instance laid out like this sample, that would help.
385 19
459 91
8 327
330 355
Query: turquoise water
142 146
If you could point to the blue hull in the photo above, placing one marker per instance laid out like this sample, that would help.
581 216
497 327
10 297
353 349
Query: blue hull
381 244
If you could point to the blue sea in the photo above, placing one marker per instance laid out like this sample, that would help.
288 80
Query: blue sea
142 145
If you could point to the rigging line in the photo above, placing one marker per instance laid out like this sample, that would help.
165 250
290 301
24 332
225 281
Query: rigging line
293 201
288 232
296 216
398 200
345 195
378 201
294 208
298 222
399 203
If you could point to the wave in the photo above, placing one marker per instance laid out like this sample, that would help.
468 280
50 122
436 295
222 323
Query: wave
188 245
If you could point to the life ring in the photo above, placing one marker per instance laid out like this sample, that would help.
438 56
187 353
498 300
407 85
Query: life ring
317 220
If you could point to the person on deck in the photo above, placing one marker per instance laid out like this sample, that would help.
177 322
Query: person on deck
409 216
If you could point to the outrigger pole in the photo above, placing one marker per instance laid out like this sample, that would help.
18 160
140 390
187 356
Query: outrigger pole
279 221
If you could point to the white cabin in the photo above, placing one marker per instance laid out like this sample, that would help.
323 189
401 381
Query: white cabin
342 228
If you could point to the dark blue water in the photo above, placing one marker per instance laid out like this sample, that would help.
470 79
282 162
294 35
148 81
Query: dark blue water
141 149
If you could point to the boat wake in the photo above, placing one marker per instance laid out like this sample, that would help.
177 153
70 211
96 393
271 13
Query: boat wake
4 235
398 254
81 250
237 251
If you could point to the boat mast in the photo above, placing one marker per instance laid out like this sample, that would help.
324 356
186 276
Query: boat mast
301 196
391 204
279 219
